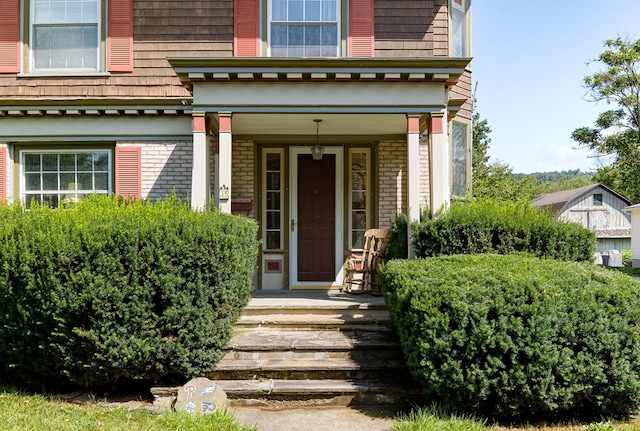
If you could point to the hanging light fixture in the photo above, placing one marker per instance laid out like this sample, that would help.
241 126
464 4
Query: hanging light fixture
317 151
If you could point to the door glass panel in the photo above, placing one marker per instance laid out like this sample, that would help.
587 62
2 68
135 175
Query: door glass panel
359 189
273 200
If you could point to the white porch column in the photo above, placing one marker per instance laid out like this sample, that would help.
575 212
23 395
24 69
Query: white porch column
200 167
413 167
413 174
440 163
223 166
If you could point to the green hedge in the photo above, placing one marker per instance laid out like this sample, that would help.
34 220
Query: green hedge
518 337
107 290
486 226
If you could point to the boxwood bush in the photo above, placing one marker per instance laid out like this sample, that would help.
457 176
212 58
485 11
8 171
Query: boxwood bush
486 226
514 336
108 289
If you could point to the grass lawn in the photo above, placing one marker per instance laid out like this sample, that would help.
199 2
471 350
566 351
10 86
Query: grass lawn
33 412
432 419
19 412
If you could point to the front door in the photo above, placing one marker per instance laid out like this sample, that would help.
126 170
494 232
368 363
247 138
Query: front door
316 219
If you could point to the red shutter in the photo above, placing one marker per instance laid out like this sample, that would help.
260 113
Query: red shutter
3 174
129 172
361 18
120 36
9 36
246 28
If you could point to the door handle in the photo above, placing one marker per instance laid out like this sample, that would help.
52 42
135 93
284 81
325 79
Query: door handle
293 225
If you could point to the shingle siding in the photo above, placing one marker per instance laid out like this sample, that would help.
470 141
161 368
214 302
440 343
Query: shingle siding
411 28
161 29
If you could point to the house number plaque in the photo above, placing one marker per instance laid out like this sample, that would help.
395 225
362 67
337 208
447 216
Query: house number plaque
224 192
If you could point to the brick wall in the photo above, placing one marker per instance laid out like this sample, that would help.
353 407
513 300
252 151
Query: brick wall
392 180
166 166
242 180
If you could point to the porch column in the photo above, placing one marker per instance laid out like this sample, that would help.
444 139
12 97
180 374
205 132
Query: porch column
223 166
200 167
440 163
413 175
413 167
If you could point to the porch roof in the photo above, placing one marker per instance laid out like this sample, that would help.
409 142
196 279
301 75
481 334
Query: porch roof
419 69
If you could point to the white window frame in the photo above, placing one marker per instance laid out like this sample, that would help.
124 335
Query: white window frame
26 194
465 8
98 51
337 22
350 230
264 211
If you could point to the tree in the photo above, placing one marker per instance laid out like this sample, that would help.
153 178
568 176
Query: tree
616 132
494 180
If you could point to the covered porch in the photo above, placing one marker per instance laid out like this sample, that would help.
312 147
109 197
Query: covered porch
378 128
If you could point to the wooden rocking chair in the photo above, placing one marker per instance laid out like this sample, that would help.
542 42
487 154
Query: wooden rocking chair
361 271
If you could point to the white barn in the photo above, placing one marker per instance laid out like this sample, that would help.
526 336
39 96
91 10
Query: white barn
634 211
596 207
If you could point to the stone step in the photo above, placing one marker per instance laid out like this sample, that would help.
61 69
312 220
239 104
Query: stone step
280 340
310 369
273 393
315 321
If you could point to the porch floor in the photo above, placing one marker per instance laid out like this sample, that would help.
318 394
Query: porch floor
315 299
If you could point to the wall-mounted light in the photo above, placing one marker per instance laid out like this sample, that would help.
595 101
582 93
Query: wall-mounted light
317 151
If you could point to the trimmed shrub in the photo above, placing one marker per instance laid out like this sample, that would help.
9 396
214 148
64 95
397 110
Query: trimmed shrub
108 289
397 247
518 337
486 226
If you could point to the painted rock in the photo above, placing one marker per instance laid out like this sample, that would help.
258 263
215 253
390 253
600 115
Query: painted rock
201 396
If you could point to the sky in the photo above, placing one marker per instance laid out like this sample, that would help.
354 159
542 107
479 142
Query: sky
529 60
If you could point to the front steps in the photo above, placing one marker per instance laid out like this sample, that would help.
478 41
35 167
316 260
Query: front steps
314 349
311 349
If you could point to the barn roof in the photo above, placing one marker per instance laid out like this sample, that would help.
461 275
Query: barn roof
559 201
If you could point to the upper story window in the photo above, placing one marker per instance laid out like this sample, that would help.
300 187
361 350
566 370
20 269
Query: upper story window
460 40
597 199
304 28
65 35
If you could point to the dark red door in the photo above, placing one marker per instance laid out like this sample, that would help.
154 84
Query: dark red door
316 218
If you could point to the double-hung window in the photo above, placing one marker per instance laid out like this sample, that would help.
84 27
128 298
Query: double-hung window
304 28
57 177
65 35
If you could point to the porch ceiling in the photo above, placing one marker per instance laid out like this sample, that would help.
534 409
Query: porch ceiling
255 124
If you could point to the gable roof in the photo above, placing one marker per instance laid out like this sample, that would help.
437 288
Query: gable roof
559 201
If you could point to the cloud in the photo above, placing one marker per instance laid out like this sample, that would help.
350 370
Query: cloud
565 157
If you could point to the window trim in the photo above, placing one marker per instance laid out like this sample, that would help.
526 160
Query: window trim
466 4
28 61
368 192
